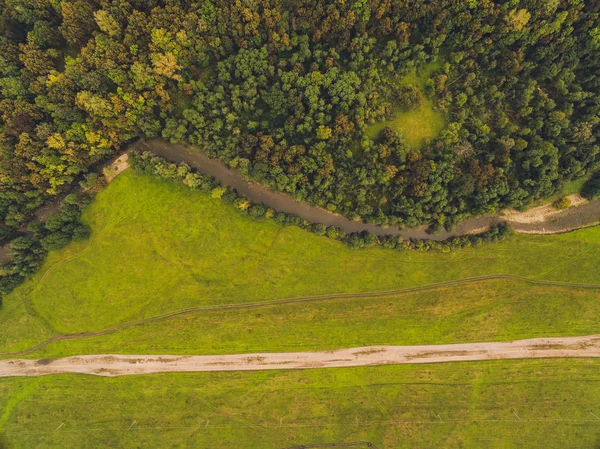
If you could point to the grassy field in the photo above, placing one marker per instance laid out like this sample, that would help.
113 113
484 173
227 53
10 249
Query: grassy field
485 311
158 247
536 404
420 124
572 187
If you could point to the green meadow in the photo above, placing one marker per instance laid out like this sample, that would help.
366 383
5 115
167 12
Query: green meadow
535 404
159 247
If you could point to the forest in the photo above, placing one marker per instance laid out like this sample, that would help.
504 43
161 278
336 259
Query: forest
284 92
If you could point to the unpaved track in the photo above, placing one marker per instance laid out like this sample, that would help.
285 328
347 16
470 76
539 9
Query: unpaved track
111 365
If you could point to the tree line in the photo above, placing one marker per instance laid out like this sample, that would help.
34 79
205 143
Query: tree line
29 252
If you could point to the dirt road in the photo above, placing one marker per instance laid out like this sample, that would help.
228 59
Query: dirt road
124 365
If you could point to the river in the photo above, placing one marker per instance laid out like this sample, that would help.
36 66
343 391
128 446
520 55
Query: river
280 202
570 219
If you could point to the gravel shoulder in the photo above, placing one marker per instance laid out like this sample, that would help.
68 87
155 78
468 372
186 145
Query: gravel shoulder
112 365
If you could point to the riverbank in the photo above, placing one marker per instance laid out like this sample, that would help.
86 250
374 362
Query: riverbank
547 220
280 202
540 220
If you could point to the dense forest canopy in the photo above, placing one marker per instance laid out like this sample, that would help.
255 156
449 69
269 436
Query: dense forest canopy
285 90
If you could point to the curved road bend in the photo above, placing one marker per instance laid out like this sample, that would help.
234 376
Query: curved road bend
283 203
111 365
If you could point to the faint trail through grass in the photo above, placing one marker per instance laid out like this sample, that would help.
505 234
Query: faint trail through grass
305 299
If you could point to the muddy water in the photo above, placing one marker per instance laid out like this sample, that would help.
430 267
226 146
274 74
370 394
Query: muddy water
571 219
280 202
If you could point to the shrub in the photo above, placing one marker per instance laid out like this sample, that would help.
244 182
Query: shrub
319 229
434 228
229 196
93 183
354 241
81 232
8 283
256 210
388 241
281 218
217 192
5 233
562 203
332 232
369 238
56 240
305 224
206 185
193 180
408 97
241 203
294 220
22 243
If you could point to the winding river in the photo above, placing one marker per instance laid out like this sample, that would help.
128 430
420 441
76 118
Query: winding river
280 202
567 220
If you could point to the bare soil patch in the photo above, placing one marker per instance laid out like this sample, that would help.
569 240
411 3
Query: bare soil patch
117 167
542 213
549 220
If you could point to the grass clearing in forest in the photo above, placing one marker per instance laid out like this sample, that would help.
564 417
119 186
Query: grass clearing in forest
159 247
569 188
543 404
418 125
